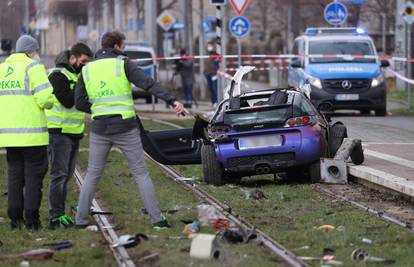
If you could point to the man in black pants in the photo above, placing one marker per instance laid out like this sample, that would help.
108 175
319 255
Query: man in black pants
65 125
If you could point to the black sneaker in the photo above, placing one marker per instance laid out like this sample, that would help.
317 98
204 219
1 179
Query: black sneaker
161 225
81 226
14 225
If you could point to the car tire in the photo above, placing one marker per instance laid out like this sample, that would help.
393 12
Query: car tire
382 112
315 172
337 134
212 170
357 155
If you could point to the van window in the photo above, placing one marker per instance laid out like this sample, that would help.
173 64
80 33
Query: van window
335 47
140 54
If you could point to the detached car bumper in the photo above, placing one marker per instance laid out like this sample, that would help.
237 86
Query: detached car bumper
371 98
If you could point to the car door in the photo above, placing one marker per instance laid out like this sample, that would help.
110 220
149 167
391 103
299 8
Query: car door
171 147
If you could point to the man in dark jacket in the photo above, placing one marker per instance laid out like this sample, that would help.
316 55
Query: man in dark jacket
104 90
65 126
184 67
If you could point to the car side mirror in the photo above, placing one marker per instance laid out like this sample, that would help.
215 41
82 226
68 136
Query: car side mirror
385 63
296 63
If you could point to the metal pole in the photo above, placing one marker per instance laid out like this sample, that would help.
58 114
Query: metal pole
409 98
223 50
117 14
384 33
105 15
239 51
219 49
190 28
26 15
289 30
201 47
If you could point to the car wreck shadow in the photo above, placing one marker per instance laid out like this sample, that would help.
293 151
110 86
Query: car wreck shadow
281 179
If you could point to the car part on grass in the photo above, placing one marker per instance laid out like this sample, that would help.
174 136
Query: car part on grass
59 245
380 214
226 211
366 241
205 246
328 251
192 228
24 264
40 254
359 255
129 241
327 227
120 254
221 224
334 170
239 235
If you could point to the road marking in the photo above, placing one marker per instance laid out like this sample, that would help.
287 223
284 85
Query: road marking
396 183
390 158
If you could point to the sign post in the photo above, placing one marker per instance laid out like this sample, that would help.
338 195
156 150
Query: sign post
335 13
239 26
408 16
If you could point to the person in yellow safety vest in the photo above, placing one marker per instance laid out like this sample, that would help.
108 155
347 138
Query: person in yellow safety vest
25 92
66 125
104 90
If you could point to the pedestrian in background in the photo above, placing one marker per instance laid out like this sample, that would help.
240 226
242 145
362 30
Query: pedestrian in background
104 90
66 125
210 72
184 67
25 92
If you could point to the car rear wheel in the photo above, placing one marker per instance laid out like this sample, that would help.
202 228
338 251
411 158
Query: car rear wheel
212 170
337 135
315 172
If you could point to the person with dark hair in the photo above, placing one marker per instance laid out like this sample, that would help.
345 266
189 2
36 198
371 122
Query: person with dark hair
210 71
184 67
25 93
104 90
65 125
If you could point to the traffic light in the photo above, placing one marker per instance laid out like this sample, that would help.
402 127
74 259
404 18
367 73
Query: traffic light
218 2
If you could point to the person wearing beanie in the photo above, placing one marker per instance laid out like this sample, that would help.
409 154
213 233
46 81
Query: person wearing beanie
25 92
66 125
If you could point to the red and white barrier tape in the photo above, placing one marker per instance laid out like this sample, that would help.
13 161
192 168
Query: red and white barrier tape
279 56
399 76
261 69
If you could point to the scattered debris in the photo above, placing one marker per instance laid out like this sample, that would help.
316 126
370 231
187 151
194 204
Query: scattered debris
341 228
129 241
362 255
328 258
58 246
366 241
92 228
40 254
1 220
192 228
207 214
205 246
247 193
258 195
40 239
192 179
152 257
328 251
327 227
238 235
24 264
221 224
301 248
168 237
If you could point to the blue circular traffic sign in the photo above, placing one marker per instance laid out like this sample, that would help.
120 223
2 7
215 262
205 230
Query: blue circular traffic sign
335 13
239 26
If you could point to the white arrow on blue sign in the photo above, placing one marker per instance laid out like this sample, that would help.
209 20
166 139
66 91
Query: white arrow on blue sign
335 13
239 26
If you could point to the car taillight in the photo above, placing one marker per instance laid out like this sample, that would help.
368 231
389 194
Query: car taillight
300 121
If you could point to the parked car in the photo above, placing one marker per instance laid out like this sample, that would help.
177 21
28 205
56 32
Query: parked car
259 132
334 82
136 50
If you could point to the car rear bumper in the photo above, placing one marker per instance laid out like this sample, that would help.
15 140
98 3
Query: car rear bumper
373 98
302 146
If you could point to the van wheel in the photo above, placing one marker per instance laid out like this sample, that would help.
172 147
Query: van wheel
382 112
212 169
337 135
